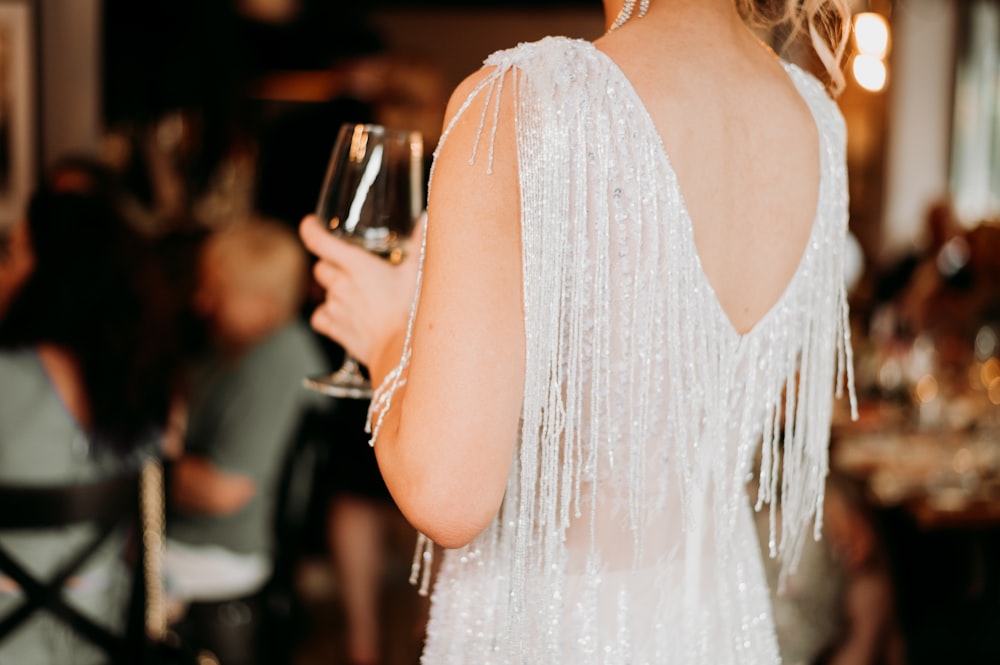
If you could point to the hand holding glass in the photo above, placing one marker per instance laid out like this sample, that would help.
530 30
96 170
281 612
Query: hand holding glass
372 195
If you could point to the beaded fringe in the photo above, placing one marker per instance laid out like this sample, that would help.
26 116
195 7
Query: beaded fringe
575 286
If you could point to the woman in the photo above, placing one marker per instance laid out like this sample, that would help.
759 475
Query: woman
86 359
605 334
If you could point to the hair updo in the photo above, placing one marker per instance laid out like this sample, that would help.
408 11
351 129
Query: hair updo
825 21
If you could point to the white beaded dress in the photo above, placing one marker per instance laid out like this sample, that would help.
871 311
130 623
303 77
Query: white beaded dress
626 535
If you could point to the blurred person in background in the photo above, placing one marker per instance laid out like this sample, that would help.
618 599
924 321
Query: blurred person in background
870 633
807 611
87 362
953 291
359 512
357 501
308 87
838 607
941 228
244 406
84 174
88 174
927 286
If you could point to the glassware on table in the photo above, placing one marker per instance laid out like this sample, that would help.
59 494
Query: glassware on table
372 195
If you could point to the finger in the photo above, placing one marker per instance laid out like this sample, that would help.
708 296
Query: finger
320 321
326 274
314 236
325 324
307 226
329 320
320 241
327 246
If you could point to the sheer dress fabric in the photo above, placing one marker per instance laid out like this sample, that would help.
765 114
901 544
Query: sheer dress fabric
626 534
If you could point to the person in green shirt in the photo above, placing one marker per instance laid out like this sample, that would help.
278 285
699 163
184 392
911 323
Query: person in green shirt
244 408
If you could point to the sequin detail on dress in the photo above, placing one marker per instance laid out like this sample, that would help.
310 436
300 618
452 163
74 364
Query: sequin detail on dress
625 535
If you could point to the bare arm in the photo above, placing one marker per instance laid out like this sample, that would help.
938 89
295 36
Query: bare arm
868 609
446 446
198 486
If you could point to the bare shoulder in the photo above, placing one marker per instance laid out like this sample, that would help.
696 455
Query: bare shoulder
467 103
493 84
464 91
479 125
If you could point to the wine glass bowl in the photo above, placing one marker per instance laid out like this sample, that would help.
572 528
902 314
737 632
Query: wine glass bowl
372 195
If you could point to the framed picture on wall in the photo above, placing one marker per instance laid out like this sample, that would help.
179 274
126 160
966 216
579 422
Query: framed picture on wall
18 107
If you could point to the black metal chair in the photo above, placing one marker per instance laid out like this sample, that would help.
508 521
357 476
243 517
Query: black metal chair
105 504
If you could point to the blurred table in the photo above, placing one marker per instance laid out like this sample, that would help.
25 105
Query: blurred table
934 493
940 476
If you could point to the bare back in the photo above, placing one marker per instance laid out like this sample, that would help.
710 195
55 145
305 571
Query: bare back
745 149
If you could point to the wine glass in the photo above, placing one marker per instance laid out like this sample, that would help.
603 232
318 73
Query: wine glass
372 195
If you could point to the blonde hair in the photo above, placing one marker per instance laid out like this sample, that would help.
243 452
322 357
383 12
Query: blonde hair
826 22
262 256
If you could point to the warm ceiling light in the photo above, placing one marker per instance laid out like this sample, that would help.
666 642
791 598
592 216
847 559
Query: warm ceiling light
869 72
871 34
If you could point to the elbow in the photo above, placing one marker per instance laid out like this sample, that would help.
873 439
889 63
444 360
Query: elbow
454 521
451 538
450 497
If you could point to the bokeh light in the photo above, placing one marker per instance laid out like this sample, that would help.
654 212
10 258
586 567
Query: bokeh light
869 72
871 34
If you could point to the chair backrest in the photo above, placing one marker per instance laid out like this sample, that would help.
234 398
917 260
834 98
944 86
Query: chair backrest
107 505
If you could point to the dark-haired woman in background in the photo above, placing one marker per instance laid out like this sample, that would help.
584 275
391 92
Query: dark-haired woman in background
86 363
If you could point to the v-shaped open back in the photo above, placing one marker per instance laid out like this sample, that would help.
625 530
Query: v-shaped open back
800 83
